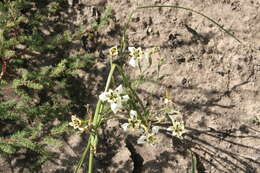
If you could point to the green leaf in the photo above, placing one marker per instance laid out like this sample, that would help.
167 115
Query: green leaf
10 24
61 128
7 148
34 85
9 53
61 67
52 141
37 131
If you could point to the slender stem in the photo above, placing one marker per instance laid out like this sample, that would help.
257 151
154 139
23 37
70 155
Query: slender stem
99 107
128 84
189 9
110 76
91 154
91 162
83 156
126 80
96 113
96 123
125 29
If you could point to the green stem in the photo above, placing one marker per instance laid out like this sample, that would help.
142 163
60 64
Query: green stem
83 156
133 93
99 107
91 162
97 121
123 46
94 140
128 84
188 9
110 76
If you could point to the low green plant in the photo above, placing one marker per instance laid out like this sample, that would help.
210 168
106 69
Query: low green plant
36 76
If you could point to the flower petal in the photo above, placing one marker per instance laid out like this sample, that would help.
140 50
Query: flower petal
133 62
103 96
73 117
71 124
116 107
169 129
82 129
125 98
141 140
131 50
119 89
155 129
133 114
125 126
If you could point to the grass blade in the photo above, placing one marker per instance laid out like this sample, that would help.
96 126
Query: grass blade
191 10
193 163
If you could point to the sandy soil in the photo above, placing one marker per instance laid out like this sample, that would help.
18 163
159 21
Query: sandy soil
214 81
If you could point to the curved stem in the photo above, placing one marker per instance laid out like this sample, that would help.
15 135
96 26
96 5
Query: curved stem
189 9
125 29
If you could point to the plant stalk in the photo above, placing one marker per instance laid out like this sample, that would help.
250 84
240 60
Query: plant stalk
97 121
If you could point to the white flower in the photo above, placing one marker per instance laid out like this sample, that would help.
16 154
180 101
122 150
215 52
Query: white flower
177 129
167 101
148 53
136 55
133 121
149 138
135 52
115 98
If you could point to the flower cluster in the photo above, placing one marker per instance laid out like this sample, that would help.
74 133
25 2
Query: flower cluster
135 123
118 99
115 98
78 123
136 55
